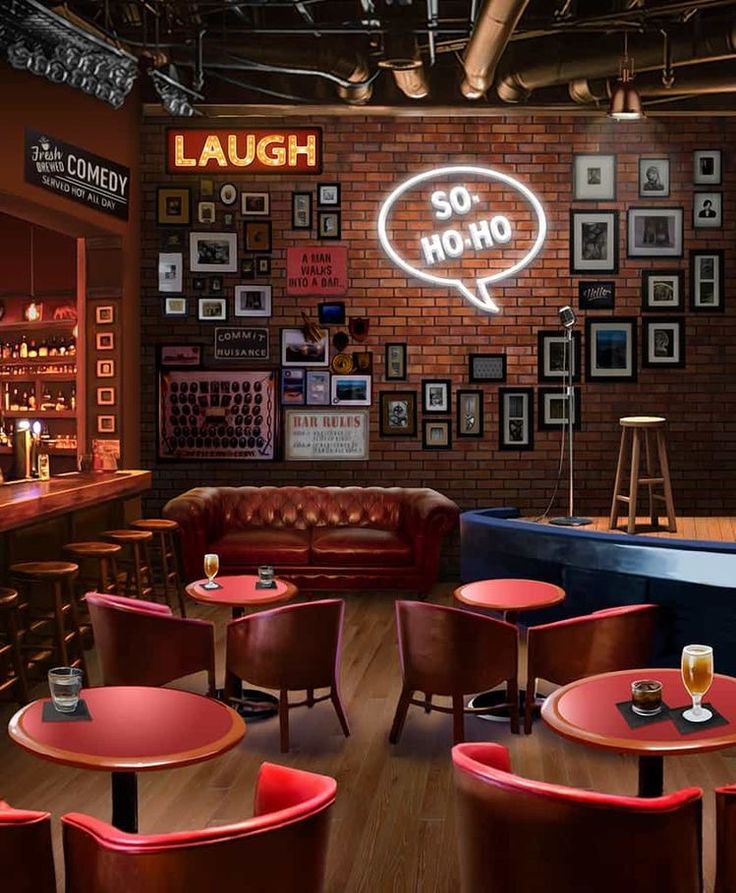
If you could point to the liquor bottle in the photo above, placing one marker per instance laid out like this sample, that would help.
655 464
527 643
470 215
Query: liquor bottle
71 350
60 402
73 399
43 348
23 348
32 349
23 405
32 401
14 400
62 347
14 351
7 350
53 349
47 401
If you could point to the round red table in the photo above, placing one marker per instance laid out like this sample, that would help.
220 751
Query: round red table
585 711
132 729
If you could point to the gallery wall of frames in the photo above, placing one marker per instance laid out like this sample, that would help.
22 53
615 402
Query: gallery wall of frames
280 345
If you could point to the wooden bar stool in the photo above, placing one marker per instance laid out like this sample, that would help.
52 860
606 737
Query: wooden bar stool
134 560
166 550
643 429
13 682
98 572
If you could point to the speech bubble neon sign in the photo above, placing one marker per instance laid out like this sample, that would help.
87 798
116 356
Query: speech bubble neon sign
457 202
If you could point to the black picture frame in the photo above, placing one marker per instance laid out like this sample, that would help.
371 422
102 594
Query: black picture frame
597 294
386 429
543 423
442 423
486 368
594 372
505 443
460 428
180 355
648 352
321 203
719 282
654 251
323 231
388 361
301 219
250 229
648 281
590 266
331 313
547 336
445 383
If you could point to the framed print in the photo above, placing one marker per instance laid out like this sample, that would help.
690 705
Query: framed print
329 225
469 413
598 295
436 395
228 194
105 424
173 205
326 434
655 232
255 204
175 306
258 235
104 314
228 219
398 413
293 386
301 210
106 396
707 167
516 408
662 290
593 242
179 354
707 281
216 285
248 268
199 284
708 210
594 178
363 361
206 188
331 313
436 434
105 341
211 309
252 300
213 252
318 387
263 266
552 359
553 409
328 194
297 350
611 349
170 272
350 390
654 178
206 213
171 240
484 367
395 362
105 369
664 342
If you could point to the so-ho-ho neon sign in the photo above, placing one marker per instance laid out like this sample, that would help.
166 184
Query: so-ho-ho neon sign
483 234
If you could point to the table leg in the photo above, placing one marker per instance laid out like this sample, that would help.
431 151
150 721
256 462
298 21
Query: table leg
254 704
651 776
125 801
496 701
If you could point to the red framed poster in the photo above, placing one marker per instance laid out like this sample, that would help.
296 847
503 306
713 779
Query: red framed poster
317 270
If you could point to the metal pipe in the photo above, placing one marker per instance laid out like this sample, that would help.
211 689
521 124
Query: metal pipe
718 77
412 81
493 28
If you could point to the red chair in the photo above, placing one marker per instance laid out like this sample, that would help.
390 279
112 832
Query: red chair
602 642
450 652
26 857
725 839
295 648
282 848
516 835
143 643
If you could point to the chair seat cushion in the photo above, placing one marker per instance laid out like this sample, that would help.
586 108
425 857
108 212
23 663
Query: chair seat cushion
358 547
263 545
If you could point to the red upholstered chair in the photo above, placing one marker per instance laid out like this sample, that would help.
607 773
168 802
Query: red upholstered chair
525 836
294 648
26 857
143 643
602 642
725 839
450 652
282 849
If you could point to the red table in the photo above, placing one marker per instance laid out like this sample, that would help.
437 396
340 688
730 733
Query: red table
586 711
133 729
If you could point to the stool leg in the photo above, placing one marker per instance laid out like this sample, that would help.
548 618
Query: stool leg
613 520
175 553
20 670
653 516
633 481
76 628
665 469
60 631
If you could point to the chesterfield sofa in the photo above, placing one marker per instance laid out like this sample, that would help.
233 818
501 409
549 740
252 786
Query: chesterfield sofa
320 538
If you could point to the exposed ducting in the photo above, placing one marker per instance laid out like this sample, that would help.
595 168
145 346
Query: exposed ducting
403 59
493 28
412 81
718 77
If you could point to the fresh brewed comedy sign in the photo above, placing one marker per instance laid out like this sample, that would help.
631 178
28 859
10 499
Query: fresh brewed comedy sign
77 174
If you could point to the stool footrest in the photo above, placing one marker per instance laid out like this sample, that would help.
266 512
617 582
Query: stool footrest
622 498
651 480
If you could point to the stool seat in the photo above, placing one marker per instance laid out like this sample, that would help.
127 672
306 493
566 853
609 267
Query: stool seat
642 421
129 536
44 569
154 524
8 597
92 549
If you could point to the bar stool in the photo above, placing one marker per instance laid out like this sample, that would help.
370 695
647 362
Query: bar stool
134 560
166 550
643 428
97 572
12 672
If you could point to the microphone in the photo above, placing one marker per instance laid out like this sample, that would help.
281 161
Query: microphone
567 316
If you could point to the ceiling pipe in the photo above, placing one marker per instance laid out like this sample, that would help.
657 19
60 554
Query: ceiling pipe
697 81
412 81
493 27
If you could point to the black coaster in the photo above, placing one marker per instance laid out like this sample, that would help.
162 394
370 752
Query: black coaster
271 585
80 714
687 728
635 721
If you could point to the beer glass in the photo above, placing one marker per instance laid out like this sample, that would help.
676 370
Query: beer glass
211 567
697 677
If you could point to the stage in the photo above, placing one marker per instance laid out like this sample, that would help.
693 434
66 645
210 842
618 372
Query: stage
719 529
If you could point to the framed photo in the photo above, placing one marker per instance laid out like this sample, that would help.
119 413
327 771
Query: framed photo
228 219
331 313
707 167
301 210
175 306
170 272
105 341
296 350
173 205
594 178
213 252
216 285
248 268
363 361
324 435
252 300
708 210
553 409
593 242
664 342
318 387
104 314
350 390
255 204
398 413
211 309
106 396
228 194
105 424
328 195
598 295
469 413
171 240
436 434
293 387
395 362
707 281
206 187
552 359
484 367
654 178
611 349
199 284
206 213
106 369
662 290
258 235
329 225
655 232
436 395
179 354
263 266
516 431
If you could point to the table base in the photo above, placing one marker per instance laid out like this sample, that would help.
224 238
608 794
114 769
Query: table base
495 702
125 801
651 776
256 705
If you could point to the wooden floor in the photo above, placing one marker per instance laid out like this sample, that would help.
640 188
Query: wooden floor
393 824
722 529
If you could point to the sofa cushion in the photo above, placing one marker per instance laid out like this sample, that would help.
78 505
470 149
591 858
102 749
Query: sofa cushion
263 545
359 547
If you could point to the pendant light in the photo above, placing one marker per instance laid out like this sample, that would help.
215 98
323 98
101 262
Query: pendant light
625 100
32 312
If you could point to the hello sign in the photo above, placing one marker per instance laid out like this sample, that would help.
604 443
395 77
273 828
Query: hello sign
483 226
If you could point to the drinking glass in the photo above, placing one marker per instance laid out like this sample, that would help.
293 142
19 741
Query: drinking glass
65 683
265 575
697 677
211 567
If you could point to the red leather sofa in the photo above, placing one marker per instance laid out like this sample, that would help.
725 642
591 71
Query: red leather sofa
318 537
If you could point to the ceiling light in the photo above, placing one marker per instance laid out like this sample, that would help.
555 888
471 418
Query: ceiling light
176 99
625 100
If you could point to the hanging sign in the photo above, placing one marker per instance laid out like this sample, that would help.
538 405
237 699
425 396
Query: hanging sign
277 150
317 271
482 226
240 343
318 434
77 174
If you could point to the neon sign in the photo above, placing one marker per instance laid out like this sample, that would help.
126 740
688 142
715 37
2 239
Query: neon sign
276 151
489 231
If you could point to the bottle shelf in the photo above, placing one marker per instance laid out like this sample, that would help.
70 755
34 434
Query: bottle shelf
38 413
37 361
43 325
53 451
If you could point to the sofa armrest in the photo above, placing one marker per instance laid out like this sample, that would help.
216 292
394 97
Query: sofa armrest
199 514
426 517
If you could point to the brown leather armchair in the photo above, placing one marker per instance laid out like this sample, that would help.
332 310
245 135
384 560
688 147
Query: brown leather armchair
26 857
319 538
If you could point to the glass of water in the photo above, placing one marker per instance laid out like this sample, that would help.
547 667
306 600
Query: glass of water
65 684
265 575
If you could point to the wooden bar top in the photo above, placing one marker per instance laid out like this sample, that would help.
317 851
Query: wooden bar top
28 502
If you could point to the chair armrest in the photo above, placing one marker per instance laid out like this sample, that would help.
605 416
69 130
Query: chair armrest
426 516
199 514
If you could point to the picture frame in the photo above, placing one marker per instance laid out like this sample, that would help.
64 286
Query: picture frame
104 314
199 284
206 213
486 367
329 225
707 164
708 210
516 413
553 409
594 177
436 395
654 232
707 281
171 240
469 407
552 355
173 206
324 435
252 300
611 353
105 369
263 266
173 355
328 195
318 387
293 387
350 390
106 424
248 268
105 340
597 295
662 290
228 194
175 306
331 313
363 361
257 235
255 204
594 237
398 416
211 309
215 285
436 434
663 342
213 252
170 272
301 210
228 219
206 187
654 177
296 350
395 361
106 396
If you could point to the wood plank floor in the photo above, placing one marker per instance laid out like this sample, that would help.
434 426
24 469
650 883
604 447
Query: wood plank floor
393 824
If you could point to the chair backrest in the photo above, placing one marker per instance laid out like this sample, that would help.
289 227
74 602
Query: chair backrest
725 839
526 836
613 639
26 857
290 648
448 651
283 848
